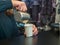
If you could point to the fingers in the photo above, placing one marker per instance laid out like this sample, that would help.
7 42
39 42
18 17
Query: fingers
35 31
22 7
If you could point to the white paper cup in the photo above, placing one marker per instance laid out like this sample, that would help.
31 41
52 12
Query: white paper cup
28 30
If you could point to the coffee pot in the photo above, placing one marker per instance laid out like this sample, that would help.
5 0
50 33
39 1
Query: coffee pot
21 16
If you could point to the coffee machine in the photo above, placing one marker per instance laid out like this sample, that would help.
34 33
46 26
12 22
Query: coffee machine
57 17
56 24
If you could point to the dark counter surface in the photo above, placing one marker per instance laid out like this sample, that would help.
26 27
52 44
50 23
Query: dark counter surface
44 38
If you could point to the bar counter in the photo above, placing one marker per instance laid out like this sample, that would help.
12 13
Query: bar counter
43 38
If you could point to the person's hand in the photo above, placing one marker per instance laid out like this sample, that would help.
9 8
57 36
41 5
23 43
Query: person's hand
21 6
35 31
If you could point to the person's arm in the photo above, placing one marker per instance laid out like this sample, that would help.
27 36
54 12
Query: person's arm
5 4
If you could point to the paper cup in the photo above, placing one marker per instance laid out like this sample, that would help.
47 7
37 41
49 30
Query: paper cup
28 30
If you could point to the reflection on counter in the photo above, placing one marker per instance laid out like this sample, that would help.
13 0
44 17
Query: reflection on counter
31 40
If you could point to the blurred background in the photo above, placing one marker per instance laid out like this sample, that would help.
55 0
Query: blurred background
45 14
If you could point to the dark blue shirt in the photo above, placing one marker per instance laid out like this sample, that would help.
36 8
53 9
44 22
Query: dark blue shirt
8 26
